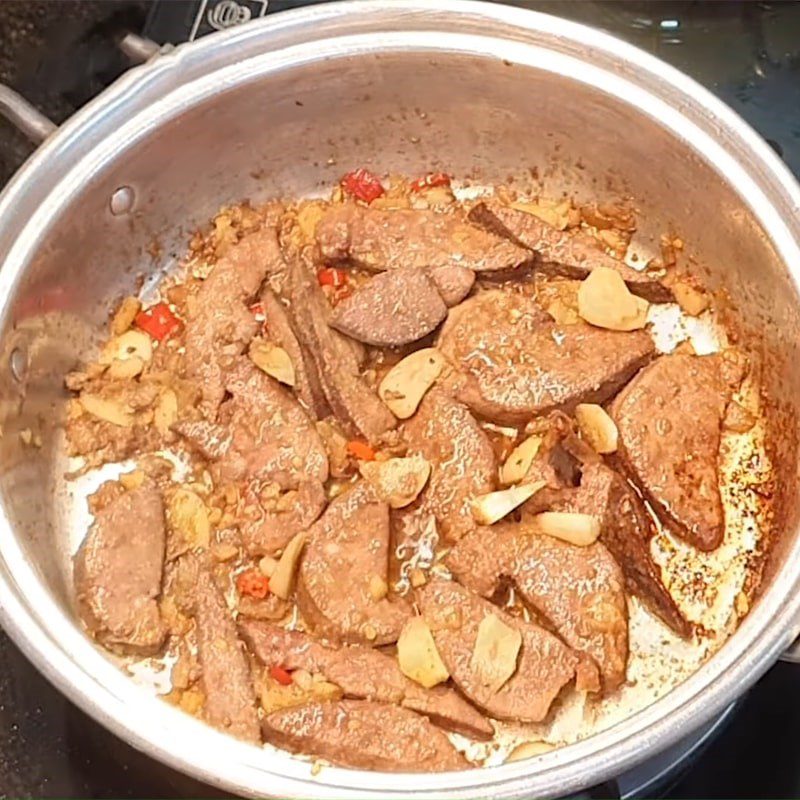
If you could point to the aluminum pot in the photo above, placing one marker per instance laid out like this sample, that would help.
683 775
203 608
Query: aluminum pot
286 105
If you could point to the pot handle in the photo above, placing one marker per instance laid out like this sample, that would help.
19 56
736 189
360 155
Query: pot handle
23 116
27 119
792 653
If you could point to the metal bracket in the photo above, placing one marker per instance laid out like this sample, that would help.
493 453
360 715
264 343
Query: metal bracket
23 116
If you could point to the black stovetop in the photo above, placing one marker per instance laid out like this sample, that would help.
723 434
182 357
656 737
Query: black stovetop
61 54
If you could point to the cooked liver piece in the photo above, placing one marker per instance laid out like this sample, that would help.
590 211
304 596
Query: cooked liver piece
352 401
392 309
118 570
571 254
626 531
363 673
269 437
453 282
280 331
577 591
267 530
462 461
669 419
219 323
544 664
230 700
516 363
347 550
364 735
377 240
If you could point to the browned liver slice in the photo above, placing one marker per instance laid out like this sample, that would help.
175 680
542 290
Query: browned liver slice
545 665
347 551
378 240
453 282
280 331
268 530
118 571
669 420
363 673
515 362
571 254
219 323
267 434
578 591
364 735
391 309
463 463
352 401
230 700
626 532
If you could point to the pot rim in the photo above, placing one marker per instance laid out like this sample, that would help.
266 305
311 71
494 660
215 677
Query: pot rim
147 96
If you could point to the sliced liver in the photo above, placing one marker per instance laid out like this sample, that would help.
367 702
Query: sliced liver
514 362
545 665
266 531
669 420
347 547
378 240
566 253
118 570
577 591
392 309
280 331
219 323
454 283
336 361
364 735
263 433
462 460
365 674
230 700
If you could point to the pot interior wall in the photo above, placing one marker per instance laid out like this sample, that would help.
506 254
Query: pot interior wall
294 132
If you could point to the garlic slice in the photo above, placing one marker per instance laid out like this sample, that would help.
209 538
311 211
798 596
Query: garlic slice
131 344
578 529
397 481
273 360
406 383
597 427
280 583
417 655
494 657
605 301
106 410
489 508
519 460
528 750
165 413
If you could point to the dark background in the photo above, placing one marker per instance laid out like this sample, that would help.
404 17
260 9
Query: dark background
61 54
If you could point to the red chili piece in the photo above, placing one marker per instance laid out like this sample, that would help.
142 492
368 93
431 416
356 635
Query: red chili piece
430 180
284 677
158 321
253 583
363 185
330 276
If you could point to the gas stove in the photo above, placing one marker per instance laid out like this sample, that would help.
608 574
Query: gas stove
60 55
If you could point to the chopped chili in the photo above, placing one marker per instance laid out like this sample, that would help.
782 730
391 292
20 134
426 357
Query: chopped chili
283 676
430 180
330 276
361 450
363 185
158 321
253 583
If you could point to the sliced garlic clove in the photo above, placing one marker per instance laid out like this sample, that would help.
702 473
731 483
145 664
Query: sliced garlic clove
165 413
528 750
489 508
188 516
106 410
406 383
691 300
417 655
268 565
131 344
597 427
578 529
126 368
378 588
273 360
280 583
494 657
605 301
397 481
519 460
